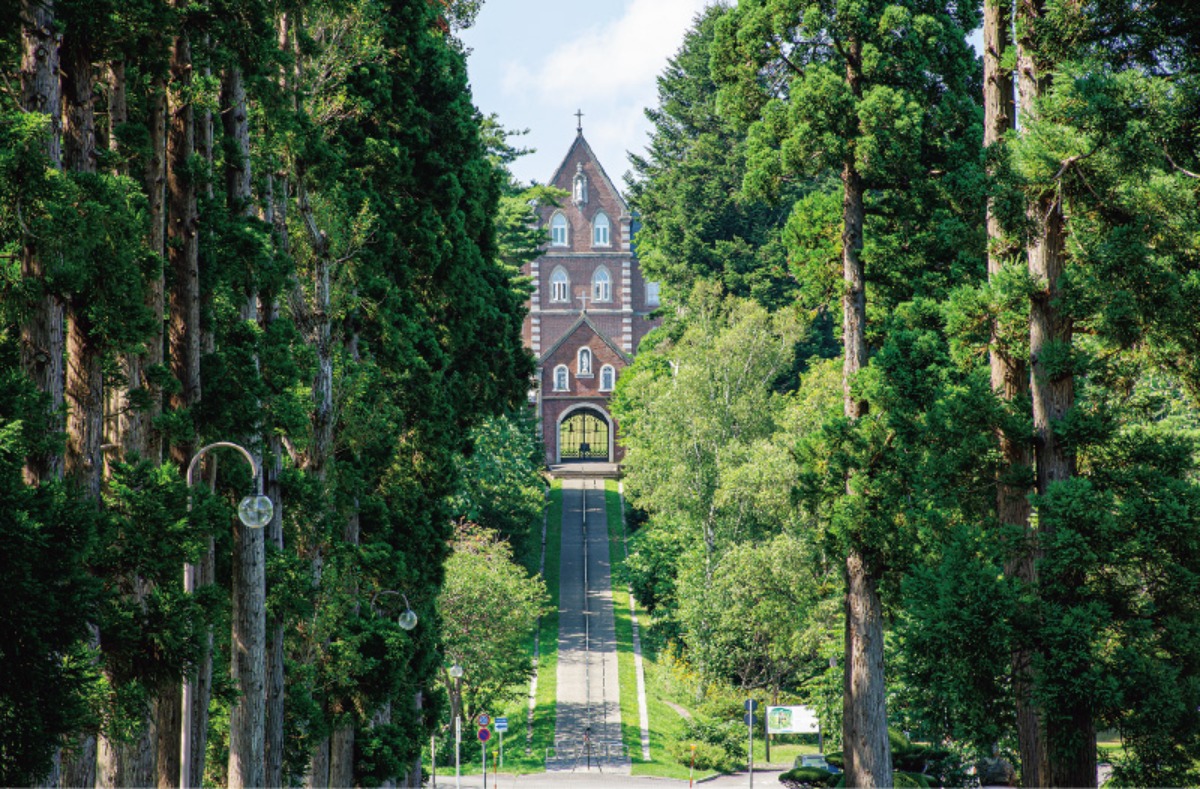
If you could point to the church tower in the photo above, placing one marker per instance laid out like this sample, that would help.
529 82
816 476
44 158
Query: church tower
589 310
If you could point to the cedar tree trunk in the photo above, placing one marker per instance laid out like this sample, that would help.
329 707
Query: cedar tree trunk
865 736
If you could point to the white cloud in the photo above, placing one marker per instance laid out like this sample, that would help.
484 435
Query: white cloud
608 63
606 60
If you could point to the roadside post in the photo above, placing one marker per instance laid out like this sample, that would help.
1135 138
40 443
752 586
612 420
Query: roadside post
692 768
750 706
484 735
501 727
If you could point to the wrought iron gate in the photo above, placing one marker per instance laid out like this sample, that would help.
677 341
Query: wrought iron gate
583 436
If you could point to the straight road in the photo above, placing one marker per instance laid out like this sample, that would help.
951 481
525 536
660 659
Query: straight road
588 732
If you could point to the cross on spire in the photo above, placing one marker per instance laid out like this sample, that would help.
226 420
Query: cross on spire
579 121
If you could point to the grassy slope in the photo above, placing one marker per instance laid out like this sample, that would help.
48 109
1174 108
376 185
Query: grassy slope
516 740
665 723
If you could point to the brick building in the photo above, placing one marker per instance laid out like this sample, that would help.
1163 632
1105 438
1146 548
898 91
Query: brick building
589 310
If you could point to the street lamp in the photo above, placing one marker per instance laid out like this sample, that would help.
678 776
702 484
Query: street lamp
456 672
408 619
254 512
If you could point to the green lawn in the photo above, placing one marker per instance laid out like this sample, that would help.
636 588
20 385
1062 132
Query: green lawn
665 722
518 741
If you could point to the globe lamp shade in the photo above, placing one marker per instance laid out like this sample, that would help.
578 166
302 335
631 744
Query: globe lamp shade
256 511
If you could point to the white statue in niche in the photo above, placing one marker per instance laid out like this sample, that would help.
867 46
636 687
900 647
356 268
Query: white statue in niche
580 186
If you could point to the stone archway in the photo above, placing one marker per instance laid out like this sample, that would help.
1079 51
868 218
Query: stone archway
585 434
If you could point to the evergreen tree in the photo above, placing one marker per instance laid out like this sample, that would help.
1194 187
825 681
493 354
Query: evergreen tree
882 95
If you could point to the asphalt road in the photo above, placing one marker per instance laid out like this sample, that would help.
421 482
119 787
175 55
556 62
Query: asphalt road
588 729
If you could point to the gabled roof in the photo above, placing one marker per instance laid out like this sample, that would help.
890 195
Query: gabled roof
591 155
580 321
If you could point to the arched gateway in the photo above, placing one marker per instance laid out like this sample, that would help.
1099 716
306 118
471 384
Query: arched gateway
585 434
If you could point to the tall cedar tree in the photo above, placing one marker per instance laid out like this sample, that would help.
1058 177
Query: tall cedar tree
877 93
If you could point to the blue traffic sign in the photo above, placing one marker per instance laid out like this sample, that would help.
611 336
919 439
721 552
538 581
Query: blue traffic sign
485 735
501 724
484 719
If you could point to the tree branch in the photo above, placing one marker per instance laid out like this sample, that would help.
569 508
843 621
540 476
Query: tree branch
1188 173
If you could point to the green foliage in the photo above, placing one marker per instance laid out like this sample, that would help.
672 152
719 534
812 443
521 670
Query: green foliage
652 566
695 224
501 486
780 614
45 605
703 755
956 635
693 408
804 777
373 140
488 606
907 124
720 744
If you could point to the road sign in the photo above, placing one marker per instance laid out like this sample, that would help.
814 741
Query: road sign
750 719
501 724
750 706
485 734
484 719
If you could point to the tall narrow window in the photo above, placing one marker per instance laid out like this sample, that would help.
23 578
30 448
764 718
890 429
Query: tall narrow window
561 378
600 231
651 294
602 285
585 362
558 230
608 378
560 285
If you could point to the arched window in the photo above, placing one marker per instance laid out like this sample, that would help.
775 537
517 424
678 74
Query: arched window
608 378
602 285
585 362
651 294
558 230
560 285
561 378
600 231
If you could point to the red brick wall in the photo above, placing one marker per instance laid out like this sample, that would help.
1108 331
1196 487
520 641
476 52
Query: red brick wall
580 259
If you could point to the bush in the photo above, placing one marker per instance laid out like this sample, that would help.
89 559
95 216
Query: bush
708 756
718 743
805 777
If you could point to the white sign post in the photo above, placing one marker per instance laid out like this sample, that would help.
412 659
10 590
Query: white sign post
501 727
750 706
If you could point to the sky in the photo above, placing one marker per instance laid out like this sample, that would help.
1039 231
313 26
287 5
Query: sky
534 63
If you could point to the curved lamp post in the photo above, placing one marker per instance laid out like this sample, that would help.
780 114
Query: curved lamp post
254 512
